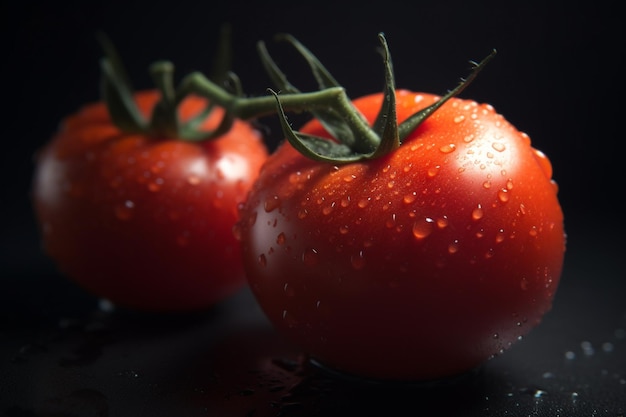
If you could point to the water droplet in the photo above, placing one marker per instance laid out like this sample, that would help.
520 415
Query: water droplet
487 184
345 202
448 148
281 238
302 214
453 247
459 118
524 283
328 209
477 213
409 198
289 319
496 336
587 348
155 185
271 203
498 146
391 221
364 202
503 195
442 222
289 290
533 231
540 393
433 171
547 375
522 208
569 355
262 260
468 138
349 178
500 236
193 180
357 260
423 228
124 211
344 229
607 347
310 257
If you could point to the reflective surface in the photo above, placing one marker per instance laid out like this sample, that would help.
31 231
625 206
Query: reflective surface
66 353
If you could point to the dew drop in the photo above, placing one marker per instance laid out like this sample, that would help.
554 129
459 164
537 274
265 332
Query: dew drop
496 336
349 178
500 236
289 290
524 283
433 171
193 180
477 213
357 260
533 231
280 239
569 355
459 118
328 209
262 260
409 198
271 203
124 211
302 214
442 222
448 148
423 228
364 202
155 185
498 146
468 138
487 184
453 247
344 229
310 257
503 195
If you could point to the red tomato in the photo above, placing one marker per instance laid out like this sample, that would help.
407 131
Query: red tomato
417 265
146 222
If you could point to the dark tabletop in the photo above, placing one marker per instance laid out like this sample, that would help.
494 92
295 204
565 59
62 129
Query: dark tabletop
65 353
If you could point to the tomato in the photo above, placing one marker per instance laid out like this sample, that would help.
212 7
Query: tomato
419 264
145 220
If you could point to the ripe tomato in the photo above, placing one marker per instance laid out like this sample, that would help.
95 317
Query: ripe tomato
419 264
146 221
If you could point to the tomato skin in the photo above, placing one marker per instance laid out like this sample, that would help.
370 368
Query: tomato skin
418 265
146 222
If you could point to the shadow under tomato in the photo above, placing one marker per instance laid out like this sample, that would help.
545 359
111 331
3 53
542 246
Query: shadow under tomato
258 374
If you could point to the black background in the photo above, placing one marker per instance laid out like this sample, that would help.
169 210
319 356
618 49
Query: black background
558 76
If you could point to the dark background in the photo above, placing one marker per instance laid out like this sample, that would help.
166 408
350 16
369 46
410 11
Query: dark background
558 76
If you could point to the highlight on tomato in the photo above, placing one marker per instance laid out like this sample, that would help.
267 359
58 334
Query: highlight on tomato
136 195
403 235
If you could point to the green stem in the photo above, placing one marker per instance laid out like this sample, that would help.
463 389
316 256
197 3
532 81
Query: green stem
253 107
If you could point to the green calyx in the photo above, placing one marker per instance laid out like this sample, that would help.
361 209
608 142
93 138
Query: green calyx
355 139
117 93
